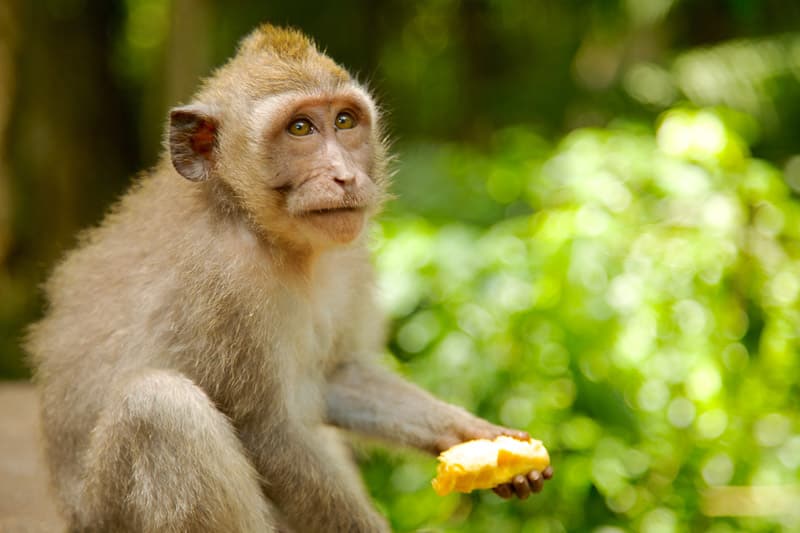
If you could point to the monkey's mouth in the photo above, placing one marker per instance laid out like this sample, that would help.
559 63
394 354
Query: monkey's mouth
334 210
342 223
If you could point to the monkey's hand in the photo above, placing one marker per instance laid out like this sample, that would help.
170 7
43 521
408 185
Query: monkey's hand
524 484
521 484
483 464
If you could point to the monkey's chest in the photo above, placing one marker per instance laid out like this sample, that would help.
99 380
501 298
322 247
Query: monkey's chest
313 353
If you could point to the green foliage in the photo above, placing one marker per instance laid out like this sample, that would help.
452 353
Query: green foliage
640 317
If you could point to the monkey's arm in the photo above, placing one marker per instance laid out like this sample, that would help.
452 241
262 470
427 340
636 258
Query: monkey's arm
371 400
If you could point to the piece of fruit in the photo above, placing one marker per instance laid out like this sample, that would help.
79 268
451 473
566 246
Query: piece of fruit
484 464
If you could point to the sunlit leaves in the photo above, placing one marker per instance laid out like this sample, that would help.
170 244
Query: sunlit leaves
639 315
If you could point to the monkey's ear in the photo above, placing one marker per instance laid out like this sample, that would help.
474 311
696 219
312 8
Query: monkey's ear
193 141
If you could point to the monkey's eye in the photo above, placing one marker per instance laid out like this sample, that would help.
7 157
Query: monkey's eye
300 128
345 121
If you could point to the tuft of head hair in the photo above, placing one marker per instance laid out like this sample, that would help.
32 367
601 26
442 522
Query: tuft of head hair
287 43
272 60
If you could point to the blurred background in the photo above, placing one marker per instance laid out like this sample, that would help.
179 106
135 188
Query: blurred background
596 237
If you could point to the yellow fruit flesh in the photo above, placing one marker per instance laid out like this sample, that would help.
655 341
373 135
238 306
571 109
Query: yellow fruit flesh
484 464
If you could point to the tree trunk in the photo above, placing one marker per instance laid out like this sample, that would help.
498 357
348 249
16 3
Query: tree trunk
70 142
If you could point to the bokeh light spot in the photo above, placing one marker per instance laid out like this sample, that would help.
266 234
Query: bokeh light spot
711 424
772 429
681 412
718 469
703 383
659 520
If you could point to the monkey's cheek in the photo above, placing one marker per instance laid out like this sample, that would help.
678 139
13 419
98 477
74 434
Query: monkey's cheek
339 226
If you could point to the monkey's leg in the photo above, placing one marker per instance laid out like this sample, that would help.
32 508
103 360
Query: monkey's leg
163 459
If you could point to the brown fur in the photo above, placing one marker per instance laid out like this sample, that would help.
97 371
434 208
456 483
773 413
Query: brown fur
200 344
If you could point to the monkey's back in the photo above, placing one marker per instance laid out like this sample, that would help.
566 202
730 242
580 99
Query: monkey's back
100 299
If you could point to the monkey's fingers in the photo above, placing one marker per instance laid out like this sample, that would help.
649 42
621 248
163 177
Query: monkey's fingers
505 491
516 433
536 481
481 429
521 487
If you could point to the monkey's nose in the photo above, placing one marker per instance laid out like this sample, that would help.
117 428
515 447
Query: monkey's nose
345 181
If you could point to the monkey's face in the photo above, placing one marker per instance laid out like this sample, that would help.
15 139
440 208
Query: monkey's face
294 140
307 167
319 164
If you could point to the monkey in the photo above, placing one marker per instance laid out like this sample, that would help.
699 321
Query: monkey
206 348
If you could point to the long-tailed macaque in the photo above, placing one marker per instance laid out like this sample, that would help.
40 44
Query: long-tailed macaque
202 345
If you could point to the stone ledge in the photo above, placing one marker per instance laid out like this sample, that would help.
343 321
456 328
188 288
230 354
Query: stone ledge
26 505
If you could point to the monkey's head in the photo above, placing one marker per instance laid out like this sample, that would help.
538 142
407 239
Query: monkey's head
285 137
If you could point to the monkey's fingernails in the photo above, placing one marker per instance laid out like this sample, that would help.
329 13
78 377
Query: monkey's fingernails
547 473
